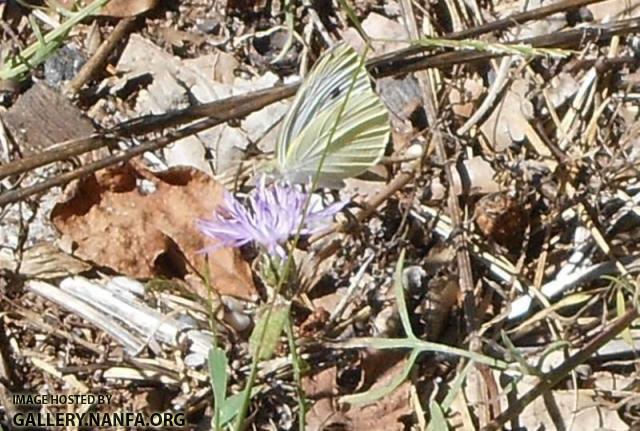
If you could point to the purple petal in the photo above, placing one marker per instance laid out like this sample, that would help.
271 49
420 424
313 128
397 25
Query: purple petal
269 217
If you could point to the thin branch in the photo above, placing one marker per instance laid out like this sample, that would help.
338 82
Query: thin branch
552 378
98 59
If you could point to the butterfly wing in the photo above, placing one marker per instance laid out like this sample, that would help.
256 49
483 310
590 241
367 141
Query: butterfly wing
361 133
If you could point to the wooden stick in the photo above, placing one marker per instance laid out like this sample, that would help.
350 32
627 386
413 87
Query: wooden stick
501 24
235 112
222 110
98 60
381 66
552 378
393 63
227 109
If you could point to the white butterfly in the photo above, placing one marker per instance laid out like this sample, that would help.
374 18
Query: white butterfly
361 133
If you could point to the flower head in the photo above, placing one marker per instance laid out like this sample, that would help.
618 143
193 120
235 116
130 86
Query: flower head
272 215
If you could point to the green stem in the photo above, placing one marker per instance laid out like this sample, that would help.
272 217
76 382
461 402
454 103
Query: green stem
417 344
297 375
39 50
287 267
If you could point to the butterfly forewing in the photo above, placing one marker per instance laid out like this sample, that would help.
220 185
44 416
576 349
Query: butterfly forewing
361 131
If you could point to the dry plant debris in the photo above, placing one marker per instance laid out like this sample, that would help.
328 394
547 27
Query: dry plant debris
523 160
142 224
42 117
121 8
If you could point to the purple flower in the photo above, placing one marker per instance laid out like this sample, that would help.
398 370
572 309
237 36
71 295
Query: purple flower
272 215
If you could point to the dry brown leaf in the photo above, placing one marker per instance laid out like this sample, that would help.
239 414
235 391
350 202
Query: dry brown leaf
613 10
475 176
557 410
119 8
581 409
502 219
177 38
562 87
45 260
508 121
388 413
464 100
142 224
126 8
386 35
178 82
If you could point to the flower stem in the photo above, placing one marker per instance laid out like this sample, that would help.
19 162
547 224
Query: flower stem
287 267
297 374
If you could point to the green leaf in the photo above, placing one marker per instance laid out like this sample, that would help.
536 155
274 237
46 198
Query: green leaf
266 334
569 301
498 48
515 353
554 346
231 407
38 51
219 380
620 310
438 421
416 344
456 386
36 30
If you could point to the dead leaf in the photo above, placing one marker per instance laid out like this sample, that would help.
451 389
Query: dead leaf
119 8
44 260
464 101
613 10
503 219
142 224
401 96
474 176
178 82
386 34
555 409
509 120
178 38
388 413
562 87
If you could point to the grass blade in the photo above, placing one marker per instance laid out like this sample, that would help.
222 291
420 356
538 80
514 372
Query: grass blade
219 380
438 421
398 288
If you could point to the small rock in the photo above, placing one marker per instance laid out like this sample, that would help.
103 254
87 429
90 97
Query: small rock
63 65
208 25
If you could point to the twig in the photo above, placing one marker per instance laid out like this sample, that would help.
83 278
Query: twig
501 24
460 242
464 262
227 109
218 111
501 80
98 59
380 68
399 61
5 372
552 378
238 111
369 208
